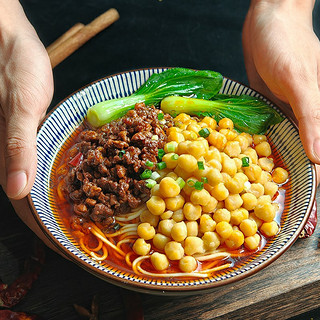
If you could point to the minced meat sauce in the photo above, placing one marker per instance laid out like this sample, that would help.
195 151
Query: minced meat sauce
107 181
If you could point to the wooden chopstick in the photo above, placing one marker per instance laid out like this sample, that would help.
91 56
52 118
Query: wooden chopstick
69 33
78 35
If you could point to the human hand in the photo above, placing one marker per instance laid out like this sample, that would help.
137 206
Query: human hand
26 88
282 57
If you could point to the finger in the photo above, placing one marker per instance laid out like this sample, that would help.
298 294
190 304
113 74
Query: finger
306 106
309 128
20 153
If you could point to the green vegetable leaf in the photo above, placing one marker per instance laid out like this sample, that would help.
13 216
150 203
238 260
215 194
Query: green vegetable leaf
249 114
202 84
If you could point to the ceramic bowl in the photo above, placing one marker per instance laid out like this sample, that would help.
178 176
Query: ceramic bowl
68 115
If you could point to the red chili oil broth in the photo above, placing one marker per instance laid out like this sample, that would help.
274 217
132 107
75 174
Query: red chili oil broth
64 211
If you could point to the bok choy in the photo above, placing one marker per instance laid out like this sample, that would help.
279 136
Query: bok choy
202 84
173 86
248 114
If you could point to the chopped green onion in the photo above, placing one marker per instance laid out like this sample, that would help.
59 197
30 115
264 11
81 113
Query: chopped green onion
190 183
200 165
204 133
180 182
160 115
245 161
161 153
121 153
171 147
146 174
150 183
204 179
161 165
155 175
198 185
175 157
116 226
149 163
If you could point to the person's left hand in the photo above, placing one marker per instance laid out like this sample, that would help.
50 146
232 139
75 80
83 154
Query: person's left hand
282 57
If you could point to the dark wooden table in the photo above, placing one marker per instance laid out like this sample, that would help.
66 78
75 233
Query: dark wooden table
196 34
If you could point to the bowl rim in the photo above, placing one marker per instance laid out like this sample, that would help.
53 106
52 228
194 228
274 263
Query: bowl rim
169 290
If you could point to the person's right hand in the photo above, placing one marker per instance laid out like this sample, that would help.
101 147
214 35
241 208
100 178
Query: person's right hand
26 88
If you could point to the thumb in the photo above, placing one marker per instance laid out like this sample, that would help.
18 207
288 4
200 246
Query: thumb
307 112
20 153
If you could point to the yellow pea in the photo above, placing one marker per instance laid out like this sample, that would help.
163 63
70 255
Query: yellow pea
141 247
270 229
178 215
168 187
224 229
226 123
170 160
235 240
263 149
252 242
198 148
232 148
217 140
211 241
156 205
165 227
222 215
188 264
233 202
238 215
201 197
280 175
160 240
212 123
179 231
187 162
192 212
210 206
146 231
192 228
214 176
182 117
193 245
174 250
265 211
249 200
219 192
175 203
248 227
207 223
159 261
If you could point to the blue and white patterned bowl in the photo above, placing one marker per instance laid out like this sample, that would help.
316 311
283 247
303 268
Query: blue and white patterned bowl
68 115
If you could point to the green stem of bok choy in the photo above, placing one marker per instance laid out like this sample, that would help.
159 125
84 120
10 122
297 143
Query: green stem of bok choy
202 84
248 114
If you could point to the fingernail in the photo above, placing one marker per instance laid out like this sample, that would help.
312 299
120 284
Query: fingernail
316 148
16 182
